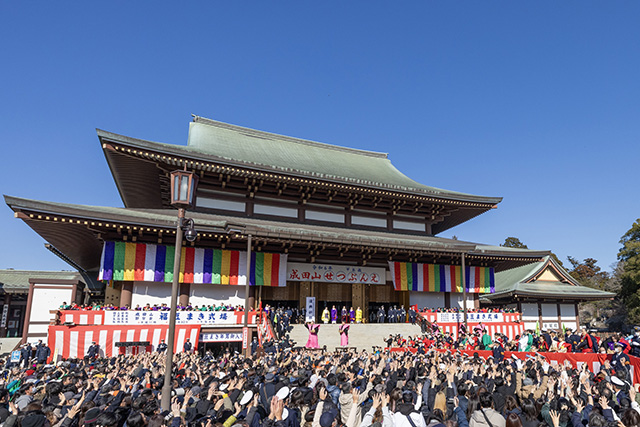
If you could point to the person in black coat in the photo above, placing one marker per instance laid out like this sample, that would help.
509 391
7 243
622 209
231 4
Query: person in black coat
94 351
25 355
498 352
162 347
42 353
187 346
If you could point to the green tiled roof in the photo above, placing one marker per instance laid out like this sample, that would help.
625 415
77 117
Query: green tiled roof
520 281
210 140
17 281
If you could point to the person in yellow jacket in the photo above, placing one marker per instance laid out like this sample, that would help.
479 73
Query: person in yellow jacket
325 315
358 315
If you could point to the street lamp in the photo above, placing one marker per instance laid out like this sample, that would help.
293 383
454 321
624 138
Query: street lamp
183 193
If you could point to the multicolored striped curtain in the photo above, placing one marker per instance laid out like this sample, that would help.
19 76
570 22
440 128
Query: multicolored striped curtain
441 278
154 263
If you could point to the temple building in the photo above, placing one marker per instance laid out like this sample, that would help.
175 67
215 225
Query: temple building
338 224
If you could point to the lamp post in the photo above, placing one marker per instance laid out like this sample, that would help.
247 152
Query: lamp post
183 189
464 294
247 351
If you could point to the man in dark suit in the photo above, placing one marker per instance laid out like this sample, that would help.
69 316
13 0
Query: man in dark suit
162 347
94 351
187 346
42 353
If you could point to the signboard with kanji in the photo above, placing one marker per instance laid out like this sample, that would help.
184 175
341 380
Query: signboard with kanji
299 272
204 318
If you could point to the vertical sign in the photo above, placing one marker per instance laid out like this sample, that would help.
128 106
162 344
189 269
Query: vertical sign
5 313
310 315
245 338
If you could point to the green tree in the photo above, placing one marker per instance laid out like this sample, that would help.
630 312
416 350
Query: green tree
588 273
513 242
629 254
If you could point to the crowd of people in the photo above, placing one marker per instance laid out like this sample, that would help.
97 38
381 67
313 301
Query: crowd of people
284 386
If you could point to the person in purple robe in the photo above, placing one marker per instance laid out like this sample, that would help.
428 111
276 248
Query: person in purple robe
334 314
352 315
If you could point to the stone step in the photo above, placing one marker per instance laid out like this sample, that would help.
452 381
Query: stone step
362 336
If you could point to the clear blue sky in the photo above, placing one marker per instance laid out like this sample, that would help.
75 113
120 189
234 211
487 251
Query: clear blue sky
537 102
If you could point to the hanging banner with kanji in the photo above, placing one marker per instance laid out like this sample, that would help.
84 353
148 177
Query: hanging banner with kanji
441 278
154 263
300 272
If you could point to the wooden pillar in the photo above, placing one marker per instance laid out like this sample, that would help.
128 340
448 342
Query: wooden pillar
252 297
126 294
357 295
447 299
520 311
185 289
27 315
305 291
559 317
540 316
575 306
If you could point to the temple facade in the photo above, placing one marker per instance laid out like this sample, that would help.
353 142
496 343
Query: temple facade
338 225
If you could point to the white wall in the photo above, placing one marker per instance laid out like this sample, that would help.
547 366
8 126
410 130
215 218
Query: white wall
157 293
568 316
47 299
369 221
530 315
324 216
457 299
550 312
228 205
215 294
427 299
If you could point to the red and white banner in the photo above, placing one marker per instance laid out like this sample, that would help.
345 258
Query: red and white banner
508 329
139 317
74 341
471 317
510 326
82 317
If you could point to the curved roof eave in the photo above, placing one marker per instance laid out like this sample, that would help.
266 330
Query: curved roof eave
377 161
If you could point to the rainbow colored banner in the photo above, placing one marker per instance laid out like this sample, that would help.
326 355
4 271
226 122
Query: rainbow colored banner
154 263
441 278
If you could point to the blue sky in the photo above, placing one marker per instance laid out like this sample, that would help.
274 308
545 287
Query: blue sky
537 102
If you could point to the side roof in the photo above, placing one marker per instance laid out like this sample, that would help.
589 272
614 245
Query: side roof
543 279
210 140
75 240
17 281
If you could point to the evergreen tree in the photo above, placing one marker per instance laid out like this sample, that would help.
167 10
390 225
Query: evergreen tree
629 254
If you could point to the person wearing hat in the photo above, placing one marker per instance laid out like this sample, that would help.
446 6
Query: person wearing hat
94 351
162 347
25 355
620 361
619 387
187 346
42 353
498 352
